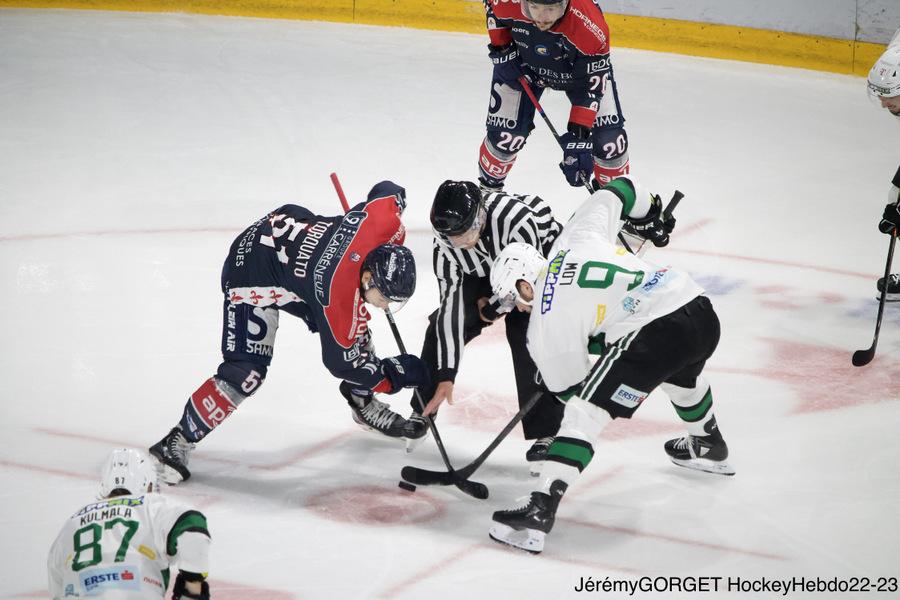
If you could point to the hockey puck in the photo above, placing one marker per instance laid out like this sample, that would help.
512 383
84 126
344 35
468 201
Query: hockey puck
407 486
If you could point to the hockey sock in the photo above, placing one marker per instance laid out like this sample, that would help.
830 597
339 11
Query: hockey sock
607 170
207 407
573 449
693 405
493 164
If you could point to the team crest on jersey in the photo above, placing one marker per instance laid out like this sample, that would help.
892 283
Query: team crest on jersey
542 50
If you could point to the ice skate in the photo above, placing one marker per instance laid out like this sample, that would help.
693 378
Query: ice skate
702 453
415 431
486 188
172 453
378 416
893 288
537 454
526 527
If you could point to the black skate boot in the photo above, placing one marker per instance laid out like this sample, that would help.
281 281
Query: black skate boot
416 431
526 527
703 453
893 288
537 454
372 414
488 187
172 453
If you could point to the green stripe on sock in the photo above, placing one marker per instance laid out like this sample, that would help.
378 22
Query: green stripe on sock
189 521
625 191
697 412
572 452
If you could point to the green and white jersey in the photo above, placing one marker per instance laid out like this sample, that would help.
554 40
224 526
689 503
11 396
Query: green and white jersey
122 547
593 292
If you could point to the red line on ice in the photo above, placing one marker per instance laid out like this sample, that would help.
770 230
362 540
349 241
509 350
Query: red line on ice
673 539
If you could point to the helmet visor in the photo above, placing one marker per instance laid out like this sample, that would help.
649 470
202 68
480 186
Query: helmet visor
376 298
544 13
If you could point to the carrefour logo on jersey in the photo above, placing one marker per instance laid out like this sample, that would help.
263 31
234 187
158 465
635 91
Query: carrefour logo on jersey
550 283
115 578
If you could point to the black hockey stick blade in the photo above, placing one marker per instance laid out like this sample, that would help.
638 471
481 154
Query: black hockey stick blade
419 476
863 357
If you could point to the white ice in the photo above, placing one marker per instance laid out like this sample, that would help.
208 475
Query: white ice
134 147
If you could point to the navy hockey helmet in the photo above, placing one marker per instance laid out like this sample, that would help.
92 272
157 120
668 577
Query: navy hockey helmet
393 270
457 209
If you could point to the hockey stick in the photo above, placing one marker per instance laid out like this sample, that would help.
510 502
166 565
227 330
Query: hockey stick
537 105
472 488
426 477
863 357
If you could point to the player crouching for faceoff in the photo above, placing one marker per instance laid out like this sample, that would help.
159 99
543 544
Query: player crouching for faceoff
123 545
323 270
884 84
650 325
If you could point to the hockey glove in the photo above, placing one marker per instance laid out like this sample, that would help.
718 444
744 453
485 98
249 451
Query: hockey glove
890 220
578 155
405 371
507 64
651 227
179 590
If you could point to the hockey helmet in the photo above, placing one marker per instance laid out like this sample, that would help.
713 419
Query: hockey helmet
457 210
884 78
127 469
393 270
516 262
544 13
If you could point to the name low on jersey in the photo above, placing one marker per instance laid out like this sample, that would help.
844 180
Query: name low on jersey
628 396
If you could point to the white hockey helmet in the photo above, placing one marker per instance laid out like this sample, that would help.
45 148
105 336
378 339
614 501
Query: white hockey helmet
127 469
884 77
516 261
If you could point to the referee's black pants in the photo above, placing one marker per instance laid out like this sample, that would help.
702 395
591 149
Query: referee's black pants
545 416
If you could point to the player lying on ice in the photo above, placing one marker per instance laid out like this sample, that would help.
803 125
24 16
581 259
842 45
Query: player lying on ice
322 270
652 327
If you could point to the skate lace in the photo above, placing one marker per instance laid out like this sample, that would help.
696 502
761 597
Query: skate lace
378 415
894 279
180 447
683 443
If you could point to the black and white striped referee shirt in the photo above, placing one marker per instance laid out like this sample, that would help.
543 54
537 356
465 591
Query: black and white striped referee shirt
510 218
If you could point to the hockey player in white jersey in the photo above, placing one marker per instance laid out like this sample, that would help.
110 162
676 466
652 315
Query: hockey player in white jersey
884 85
123 545
651 327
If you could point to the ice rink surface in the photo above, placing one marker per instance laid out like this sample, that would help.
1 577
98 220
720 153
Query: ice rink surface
134 147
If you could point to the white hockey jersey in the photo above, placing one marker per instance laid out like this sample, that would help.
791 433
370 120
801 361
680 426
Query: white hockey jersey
122 548
593 293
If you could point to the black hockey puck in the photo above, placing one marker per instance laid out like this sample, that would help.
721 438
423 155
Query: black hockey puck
407 486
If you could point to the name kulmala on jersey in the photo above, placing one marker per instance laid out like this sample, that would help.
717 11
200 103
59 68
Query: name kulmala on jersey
594 292
122 547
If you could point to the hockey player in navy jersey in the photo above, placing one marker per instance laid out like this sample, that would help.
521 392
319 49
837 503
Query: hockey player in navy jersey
563 45
322 270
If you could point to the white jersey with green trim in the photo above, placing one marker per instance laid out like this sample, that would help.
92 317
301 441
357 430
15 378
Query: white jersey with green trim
593 291
122 548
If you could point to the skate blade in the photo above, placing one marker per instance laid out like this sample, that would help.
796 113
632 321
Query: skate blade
413 443
890 298
717 467
536 467
167 474
529 540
